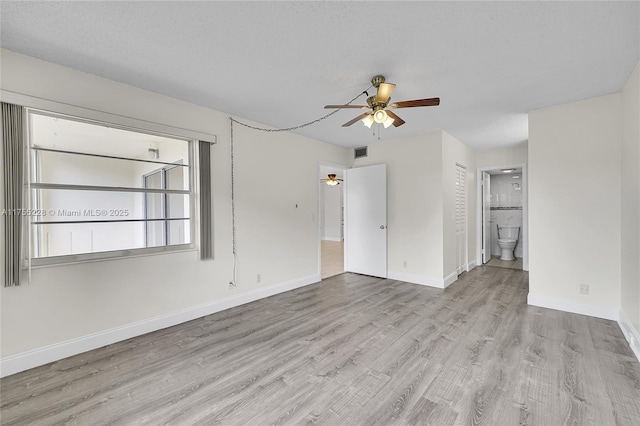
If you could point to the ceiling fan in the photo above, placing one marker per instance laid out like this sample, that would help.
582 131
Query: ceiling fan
332 180
379 106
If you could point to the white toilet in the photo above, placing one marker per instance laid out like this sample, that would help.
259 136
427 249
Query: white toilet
507 241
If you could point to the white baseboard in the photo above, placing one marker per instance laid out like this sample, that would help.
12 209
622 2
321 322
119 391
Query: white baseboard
566 305
472 264
630 333
33 358
450 279
415 279
422 280
331 239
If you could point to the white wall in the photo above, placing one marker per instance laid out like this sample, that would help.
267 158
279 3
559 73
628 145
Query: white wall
414 205
332 212
574 205
276 228
502 157
631 200
454 151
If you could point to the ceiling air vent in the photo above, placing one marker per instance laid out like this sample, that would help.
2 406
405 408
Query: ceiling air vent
360 152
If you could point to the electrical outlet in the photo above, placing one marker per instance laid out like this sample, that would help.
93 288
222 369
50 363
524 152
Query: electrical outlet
584 288
404 264
258 278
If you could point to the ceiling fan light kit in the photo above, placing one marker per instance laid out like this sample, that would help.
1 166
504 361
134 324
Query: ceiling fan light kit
380 116
368 120
378 104
331 180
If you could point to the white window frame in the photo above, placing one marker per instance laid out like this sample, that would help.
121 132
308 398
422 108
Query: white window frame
114 254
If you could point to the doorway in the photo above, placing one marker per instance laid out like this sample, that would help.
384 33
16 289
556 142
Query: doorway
503 216
331 220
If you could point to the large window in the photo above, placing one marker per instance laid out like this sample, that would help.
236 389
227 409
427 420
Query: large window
99 191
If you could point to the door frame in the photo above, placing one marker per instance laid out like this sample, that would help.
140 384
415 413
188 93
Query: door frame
343 167
525 210
483 212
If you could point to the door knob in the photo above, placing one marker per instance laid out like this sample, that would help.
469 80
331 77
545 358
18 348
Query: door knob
382 226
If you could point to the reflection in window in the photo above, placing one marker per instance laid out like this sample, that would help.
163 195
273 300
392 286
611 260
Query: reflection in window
96 188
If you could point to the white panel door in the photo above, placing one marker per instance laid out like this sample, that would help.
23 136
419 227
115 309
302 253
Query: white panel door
366 220
486 217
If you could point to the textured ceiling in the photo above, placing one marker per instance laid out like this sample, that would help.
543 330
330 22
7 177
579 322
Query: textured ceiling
279 63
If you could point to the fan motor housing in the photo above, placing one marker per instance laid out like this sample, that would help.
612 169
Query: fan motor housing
377 80
374 104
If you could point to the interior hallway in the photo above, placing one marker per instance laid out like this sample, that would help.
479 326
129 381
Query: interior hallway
332 258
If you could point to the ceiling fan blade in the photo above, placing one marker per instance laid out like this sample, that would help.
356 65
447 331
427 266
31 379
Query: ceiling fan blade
416 103
344 106
360 117
384 92
397 121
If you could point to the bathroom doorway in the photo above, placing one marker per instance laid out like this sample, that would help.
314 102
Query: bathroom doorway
331 219
503 217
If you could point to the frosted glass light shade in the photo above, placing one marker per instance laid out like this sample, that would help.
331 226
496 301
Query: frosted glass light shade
368 121
380 116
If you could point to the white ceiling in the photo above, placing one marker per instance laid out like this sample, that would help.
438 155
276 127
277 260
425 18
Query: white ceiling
279 63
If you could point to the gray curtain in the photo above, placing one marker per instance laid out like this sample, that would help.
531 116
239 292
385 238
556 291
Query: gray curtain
206 243
13 166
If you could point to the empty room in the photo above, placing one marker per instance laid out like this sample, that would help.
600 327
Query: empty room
316 212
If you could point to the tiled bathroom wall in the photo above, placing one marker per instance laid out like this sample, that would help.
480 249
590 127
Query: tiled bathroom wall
506 190
506 207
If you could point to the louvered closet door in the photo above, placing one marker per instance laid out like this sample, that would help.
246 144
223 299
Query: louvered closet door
461 218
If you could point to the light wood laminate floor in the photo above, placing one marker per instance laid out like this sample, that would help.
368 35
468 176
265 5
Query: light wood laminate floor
332 255
511 264
351 350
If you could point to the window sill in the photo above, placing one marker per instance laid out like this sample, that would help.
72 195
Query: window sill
46 262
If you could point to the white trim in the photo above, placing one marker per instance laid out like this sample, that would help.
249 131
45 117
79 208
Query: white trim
415 279
428 281
58 107
33 358
525 210
471 265
606 312
331 239
450 279
630 333
321 206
